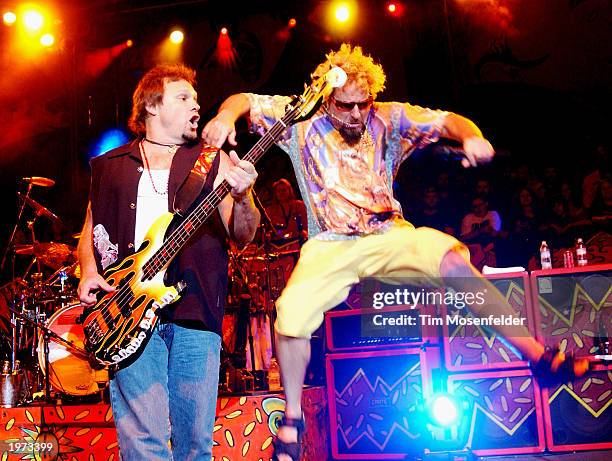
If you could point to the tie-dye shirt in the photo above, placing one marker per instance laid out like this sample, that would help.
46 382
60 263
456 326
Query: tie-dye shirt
348 188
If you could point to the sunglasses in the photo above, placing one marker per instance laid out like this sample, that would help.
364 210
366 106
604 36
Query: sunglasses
346 106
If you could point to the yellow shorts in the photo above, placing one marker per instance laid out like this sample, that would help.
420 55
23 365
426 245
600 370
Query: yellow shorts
327 270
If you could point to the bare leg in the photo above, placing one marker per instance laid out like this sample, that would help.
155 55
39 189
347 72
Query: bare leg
293 357
462 276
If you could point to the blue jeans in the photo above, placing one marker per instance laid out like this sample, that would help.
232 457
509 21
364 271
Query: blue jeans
168 393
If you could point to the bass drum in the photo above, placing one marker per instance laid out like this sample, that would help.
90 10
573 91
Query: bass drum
70 372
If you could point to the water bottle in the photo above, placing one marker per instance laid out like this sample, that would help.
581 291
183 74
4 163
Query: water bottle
581 253
545 256
274 379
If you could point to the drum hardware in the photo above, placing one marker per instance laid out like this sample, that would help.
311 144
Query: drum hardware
269 304
14 386
51 254
42 351
39 209
48 337
258 274
32 181
39 181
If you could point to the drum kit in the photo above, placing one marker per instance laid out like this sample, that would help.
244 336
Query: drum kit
42 353
257 276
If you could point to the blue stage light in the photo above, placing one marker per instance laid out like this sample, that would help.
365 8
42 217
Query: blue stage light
444 411
109 140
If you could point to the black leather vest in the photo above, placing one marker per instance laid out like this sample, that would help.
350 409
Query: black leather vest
202 263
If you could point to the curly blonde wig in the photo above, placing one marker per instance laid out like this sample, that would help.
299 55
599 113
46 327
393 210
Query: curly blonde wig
360 68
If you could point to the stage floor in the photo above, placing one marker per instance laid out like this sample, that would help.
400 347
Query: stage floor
244 429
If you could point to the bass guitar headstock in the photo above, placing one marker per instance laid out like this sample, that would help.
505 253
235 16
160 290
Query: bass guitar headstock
304 106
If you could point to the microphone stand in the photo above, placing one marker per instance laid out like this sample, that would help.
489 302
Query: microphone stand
12 237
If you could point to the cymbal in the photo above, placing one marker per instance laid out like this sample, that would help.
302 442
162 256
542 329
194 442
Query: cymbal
40 181
76 236
39 209
52 254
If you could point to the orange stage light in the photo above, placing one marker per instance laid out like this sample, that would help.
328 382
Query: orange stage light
292 23
9 18
342 13
47 40
33 20
177 36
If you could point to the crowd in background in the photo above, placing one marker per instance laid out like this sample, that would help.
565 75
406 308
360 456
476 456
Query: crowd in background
509 208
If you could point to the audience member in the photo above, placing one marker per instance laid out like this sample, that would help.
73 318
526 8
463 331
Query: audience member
432 215
481 225
287 213
592 181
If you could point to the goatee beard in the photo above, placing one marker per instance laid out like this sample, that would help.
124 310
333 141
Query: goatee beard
351 132
352 135
188 137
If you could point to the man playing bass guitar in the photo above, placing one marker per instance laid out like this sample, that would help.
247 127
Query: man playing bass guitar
169 391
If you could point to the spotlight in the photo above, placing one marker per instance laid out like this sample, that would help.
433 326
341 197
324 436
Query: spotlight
129 43
109 140
9 18
395 8
33 20
47 40
444 411
292 23
342 13
223 31
177 37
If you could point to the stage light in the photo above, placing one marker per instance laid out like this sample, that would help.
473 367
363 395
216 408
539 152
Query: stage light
110 139
225 53
129 43
47 40
177 36
9 18
395 9
342 12
444 411
292 23
33 20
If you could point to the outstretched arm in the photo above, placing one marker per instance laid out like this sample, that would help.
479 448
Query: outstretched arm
477 149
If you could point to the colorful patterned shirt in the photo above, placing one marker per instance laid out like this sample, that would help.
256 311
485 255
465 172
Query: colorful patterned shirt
347 188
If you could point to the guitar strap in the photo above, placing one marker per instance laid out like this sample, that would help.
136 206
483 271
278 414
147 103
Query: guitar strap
193 186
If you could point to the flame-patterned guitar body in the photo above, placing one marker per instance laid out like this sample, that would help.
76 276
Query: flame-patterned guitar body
119 325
